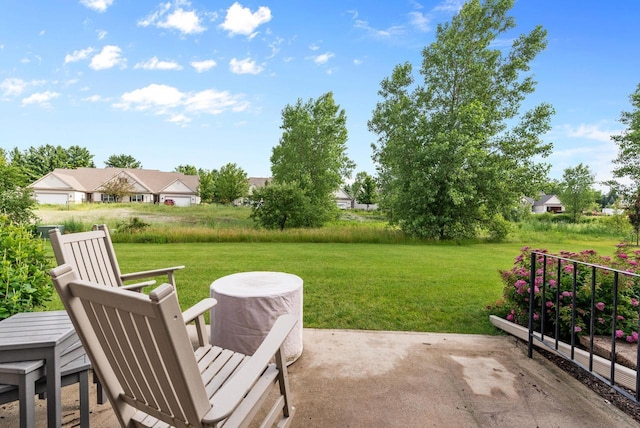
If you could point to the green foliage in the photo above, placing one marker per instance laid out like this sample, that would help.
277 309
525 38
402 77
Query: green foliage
118 187
455 152
187 169
37 162
280 206
73 226
133 225
231 183
364 189
16 201
576 190
207 182
122 161
24 279
559 290
312 153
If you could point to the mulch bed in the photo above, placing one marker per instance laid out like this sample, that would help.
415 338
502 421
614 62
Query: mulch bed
603 389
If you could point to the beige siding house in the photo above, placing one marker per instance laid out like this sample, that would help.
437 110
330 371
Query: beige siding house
64 186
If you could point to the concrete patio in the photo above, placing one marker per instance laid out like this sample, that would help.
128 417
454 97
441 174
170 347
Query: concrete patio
347 378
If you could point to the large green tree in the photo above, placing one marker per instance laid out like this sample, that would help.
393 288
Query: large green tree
37 162
312 153
231 183
278 206
364 189
627 164
207 180
576 190
122 161
454 154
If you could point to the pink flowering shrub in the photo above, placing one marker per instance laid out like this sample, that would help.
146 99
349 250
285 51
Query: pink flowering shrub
514 306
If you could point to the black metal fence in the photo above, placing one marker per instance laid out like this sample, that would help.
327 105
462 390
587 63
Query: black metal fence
563 306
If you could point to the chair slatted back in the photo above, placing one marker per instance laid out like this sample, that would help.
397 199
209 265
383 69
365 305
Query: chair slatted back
139 346
90 253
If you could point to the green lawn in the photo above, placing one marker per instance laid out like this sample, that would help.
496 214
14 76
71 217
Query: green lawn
423 287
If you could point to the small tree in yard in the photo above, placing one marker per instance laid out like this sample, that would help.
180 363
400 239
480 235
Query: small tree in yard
576 191
279 206
231 183
118 188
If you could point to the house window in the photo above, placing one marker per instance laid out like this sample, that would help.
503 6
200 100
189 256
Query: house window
107 198
137 198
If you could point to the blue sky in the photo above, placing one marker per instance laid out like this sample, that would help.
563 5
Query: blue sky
204 82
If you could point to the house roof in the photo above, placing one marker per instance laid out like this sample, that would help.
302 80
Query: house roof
90 179
548 200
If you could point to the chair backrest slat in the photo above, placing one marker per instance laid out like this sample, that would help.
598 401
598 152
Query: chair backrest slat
143 344
90 253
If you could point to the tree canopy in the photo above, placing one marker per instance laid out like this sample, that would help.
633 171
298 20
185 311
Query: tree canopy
312 153
122 161
37 162
231 183
454 154
576 190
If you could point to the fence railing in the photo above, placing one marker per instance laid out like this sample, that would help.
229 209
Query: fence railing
562 303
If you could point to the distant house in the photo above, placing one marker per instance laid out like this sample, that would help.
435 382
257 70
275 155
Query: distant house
546 204
64 186
343 199
258 182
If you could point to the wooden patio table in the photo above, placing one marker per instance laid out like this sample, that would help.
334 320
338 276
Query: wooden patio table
40 336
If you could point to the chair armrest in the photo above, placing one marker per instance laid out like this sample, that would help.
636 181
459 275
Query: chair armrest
138 286
196 313
150 273
198 309
228 397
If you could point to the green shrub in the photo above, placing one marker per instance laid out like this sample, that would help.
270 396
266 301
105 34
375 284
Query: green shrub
135 224
72 226
515 303
24 279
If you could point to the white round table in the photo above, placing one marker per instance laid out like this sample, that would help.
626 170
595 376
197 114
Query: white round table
248 305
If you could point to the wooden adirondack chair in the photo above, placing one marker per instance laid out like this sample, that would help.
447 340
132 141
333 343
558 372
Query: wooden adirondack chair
93 257
140 349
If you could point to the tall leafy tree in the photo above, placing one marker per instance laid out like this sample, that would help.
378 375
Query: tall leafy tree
577 193
454 154
122 161
312 153
231 183
627 164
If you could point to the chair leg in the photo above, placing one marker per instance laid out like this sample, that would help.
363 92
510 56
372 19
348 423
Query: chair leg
83 380
27 392
101 394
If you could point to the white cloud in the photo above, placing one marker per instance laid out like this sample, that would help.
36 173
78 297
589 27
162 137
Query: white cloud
78 55
392 31
240 20
173 16
357 61
178 106
12 87
155 64
420 21
109 57
214 102
314 47
449 6
95 99
323 58
41 98
589 131
202 66
97 5
101 34
244 66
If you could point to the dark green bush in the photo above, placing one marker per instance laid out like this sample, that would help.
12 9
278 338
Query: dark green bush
24 281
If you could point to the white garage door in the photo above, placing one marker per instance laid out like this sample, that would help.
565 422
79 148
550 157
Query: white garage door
181 202
52 198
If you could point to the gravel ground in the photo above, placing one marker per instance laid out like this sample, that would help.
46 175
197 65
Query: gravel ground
601 388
